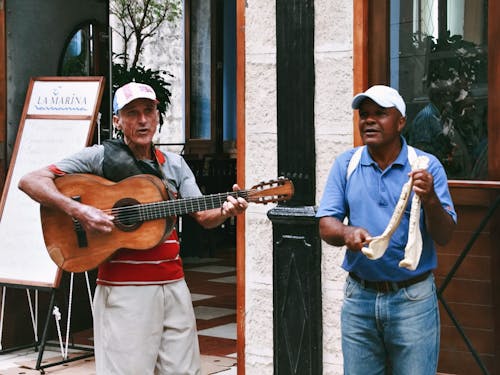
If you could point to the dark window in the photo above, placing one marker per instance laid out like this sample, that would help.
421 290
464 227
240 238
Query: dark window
437 59
210 76
77 59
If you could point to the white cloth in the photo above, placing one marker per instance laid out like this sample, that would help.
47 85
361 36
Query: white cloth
132 324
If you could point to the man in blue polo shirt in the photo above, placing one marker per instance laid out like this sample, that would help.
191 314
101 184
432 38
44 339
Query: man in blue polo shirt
390 318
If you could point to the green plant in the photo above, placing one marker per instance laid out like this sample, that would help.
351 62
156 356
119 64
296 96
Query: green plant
139 20
456 65
154 78
454 68
454 59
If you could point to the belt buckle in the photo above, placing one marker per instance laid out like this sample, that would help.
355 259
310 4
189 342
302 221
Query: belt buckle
385 287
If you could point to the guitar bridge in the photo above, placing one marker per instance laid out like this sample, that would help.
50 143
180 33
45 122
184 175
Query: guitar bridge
81 236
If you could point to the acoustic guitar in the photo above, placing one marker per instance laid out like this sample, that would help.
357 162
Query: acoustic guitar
144 216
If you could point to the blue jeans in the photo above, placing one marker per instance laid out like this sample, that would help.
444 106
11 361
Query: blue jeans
390 333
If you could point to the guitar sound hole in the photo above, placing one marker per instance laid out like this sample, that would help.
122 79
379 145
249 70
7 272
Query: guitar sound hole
127 215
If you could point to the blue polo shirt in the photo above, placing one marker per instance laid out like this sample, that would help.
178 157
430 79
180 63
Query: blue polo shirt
368 200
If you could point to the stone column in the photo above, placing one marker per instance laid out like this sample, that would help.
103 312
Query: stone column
296 243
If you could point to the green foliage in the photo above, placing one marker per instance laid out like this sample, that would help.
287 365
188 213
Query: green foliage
147 12
455 59
157 79
140 20
455 67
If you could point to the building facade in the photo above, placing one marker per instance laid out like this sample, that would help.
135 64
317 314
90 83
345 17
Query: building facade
230 89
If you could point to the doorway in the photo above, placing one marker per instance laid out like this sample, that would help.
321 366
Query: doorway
210 150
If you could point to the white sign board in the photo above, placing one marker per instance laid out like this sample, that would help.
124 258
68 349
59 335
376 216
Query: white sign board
47 134
63 98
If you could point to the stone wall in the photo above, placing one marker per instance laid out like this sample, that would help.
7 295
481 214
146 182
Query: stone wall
166 52
334 134
261 163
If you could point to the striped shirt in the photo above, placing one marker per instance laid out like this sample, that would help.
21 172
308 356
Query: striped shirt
159 265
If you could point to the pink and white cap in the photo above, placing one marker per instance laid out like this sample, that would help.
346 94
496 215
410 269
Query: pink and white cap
130 92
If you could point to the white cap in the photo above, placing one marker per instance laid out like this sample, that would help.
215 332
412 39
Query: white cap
132 91
384 96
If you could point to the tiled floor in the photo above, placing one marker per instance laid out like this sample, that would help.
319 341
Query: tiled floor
212 282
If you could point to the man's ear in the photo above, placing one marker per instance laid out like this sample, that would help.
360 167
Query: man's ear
116 122
401 123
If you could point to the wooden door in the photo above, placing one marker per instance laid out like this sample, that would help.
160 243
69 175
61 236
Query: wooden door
467 276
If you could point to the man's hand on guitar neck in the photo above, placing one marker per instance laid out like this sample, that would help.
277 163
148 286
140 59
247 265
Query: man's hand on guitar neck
233 206
215 217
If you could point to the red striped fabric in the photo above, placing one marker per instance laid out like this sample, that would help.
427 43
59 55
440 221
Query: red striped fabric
159 265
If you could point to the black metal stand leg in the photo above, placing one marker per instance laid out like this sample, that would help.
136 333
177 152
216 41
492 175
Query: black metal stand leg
45 330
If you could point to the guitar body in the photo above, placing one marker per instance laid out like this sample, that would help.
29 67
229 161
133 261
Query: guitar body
143 215
75 250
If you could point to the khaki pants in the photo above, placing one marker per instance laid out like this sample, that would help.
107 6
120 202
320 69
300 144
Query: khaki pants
145 330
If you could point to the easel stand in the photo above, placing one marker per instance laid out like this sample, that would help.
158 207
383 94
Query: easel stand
46 133
53 310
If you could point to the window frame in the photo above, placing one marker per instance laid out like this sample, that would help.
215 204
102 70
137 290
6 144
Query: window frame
371 43
192 145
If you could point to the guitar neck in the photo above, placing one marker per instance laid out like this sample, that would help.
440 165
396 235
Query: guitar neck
177 207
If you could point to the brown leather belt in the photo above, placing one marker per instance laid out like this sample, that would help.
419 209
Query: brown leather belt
389 286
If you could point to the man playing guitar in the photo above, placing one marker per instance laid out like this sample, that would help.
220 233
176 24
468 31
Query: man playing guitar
143 316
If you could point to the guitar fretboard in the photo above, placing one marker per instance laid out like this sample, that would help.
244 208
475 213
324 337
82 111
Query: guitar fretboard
159 210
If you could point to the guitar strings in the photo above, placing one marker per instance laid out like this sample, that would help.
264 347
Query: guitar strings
149 211
136 212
